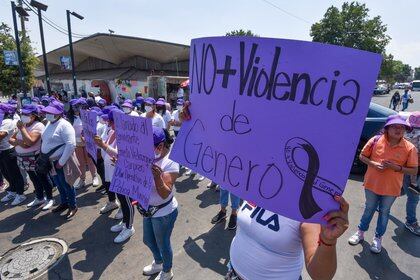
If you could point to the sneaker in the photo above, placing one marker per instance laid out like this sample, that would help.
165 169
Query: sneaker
118 227
165 275
232 222
201 178
152 269
79 184
119 215
219 217
212 185
95 181
356 238
376 246
217 188
48 204
36 202
9 196
125 234
413 227
19 198
188 172
415 189
109 207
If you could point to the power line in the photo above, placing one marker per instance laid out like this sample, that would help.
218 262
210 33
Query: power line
286 12
53 24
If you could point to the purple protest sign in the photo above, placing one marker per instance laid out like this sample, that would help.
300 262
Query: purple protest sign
89 131
133 174
276 122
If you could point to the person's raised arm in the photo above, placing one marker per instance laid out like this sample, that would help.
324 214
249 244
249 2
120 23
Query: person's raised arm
319 242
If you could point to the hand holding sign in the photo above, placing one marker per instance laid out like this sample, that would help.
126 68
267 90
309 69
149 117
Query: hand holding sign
286 118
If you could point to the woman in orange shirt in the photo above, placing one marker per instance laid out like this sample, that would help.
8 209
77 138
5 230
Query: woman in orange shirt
388 157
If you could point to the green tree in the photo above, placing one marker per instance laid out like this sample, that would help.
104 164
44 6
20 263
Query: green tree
9 75
351 27
417 73
242 32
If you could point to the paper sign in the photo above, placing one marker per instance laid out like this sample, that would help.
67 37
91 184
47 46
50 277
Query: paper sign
89 121
1 117
133 174
276 122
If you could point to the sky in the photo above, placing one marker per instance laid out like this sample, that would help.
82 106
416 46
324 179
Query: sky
182 20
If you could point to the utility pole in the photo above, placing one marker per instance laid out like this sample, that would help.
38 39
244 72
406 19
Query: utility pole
22 21
73 68
21 72
42 7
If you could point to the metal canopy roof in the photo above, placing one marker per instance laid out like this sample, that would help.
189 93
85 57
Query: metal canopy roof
117 49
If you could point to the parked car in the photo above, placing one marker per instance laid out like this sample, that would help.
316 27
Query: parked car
375 121
380 90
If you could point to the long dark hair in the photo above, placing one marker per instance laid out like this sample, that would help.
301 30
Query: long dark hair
168 140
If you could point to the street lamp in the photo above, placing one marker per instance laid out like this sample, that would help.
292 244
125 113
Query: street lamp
23 13
73 70
42 7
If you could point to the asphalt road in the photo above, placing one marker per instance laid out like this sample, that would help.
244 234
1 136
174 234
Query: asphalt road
201 250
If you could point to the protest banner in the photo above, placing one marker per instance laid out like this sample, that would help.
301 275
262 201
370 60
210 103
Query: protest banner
133 174
89 131
275 121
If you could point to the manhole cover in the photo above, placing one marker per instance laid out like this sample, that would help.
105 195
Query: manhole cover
32 259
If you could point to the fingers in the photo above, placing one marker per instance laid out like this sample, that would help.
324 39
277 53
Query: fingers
344 205
339 224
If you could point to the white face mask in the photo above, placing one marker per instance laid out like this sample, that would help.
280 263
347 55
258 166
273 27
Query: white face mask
50 117
25 119
148 109
126 110
102 121
179 107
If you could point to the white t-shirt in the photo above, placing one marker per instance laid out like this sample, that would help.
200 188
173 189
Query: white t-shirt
8 126
100 128
78 128
157 120
167 118
175 117
167 166
55 134
406 97
266 246
35 127
134 113
108 163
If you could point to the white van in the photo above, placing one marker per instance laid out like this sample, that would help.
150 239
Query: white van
415 85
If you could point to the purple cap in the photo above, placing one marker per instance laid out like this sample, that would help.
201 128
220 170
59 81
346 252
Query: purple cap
102 102
55 108
112 112
73 101
139 99
107 109
7 108
150 101
97 110
158 135
12 102
127 103
160 103
397 119
30 109
180 102
35 99
78 101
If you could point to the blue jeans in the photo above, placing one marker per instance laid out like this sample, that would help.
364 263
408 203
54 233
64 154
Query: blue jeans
412 200
224 199
372 200
67 192
157 236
